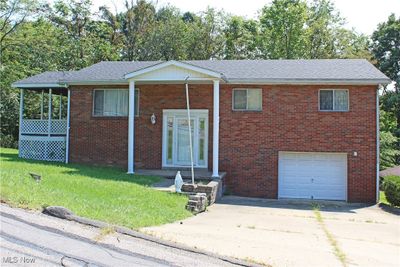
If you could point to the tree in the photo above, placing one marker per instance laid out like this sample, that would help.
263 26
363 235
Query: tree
12 14
386 50
322 22
241 39
282 29
136 23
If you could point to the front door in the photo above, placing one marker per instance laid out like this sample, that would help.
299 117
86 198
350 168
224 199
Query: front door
182 141
176 142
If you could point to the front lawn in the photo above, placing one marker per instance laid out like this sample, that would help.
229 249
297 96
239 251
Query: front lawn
382 198
102 193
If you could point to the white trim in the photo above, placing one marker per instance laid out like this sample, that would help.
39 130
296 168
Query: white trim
377 144
195 115
38 85
131 128
173 63
42 138
315 152
215 171
245 89
333 99
68 127
307 81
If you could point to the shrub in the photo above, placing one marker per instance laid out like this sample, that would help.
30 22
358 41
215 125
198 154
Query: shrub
391 186
8 141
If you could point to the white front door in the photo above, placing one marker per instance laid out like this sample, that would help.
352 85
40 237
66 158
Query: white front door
312 175
176 143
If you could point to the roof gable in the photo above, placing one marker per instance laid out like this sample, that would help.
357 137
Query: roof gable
172 71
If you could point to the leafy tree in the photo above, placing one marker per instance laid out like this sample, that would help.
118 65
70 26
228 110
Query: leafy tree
386 50
136 23
12 14
282 29
241 39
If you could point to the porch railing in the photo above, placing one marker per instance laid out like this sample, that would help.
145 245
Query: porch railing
41 127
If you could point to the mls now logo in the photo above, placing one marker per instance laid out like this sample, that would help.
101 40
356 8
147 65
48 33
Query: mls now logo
10 260
13 260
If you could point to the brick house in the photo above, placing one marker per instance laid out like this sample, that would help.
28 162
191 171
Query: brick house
277 128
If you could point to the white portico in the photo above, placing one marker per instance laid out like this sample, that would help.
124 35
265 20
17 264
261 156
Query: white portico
175 123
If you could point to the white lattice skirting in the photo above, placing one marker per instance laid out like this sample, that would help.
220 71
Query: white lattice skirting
42 126
42 147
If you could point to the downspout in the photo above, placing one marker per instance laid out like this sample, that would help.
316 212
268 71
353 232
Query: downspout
68 126
377 144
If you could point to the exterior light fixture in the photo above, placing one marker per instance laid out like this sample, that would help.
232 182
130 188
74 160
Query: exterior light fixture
153 119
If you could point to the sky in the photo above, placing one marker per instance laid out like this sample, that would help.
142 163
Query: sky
362 15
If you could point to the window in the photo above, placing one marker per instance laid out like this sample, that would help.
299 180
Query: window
113 102
247 99
333 100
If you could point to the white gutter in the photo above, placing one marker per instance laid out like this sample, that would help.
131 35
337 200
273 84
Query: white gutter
377 144
308 81
68 127
38 85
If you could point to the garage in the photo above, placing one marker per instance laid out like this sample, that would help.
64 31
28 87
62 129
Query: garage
312 175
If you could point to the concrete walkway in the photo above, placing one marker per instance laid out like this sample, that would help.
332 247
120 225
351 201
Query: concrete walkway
285 233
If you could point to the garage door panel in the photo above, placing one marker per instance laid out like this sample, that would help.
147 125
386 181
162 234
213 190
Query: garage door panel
312 175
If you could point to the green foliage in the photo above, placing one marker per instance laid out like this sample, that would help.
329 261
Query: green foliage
391 186
386 48
68 35
388 151
282 29
102 193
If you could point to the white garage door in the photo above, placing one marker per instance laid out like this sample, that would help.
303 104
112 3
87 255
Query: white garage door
312 175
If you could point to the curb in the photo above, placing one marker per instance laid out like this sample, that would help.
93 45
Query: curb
63 213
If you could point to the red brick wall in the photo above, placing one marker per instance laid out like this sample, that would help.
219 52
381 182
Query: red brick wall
290 121
103 140
249 141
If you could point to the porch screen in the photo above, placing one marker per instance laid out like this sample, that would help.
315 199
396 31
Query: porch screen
113 102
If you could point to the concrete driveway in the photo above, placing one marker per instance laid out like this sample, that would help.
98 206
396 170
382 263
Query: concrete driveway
287 233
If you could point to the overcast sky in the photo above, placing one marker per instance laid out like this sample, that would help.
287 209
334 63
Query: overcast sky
363 15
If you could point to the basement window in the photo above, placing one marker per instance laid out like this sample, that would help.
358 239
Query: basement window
333 100
113 102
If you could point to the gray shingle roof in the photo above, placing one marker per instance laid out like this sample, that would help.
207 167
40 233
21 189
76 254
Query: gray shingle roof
274 71
48 77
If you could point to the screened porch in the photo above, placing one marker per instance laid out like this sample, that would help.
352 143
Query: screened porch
43 127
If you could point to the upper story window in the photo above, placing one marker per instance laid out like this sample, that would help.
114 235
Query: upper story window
247 99
333 100
113 102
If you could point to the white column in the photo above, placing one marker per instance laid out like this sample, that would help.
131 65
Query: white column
21 117
131 128
216 129
68 126
60 110
41 105
49 113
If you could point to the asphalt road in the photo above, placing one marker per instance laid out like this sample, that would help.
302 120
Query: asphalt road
34 239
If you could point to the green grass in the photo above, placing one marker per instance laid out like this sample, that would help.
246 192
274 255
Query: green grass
382 198
103 193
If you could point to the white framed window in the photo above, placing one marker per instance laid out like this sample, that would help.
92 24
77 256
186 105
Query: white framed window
334 100
113 102
247 99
